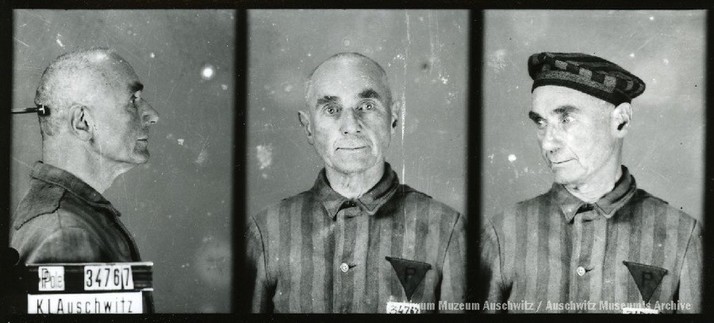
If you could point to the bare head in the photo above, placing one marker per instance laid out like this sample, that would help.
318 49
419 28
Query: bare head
350 116
96 108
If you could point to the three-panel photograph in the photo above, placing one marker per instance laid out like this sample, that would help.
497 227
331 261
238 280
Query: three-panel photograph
380 161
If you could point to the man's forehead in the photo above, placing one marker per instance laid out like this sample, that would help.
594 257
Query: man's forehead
551 97
348 79
119 73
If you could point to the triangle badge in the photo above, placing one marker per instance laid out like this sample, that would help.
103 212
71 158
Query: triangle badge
410 273
646 277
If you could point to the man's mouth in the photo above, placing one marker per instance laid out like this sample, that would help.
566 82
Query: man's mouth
352 148
557 163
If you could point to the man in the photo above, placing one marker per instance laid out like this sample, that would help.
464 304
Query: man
97 128
594 242
358 241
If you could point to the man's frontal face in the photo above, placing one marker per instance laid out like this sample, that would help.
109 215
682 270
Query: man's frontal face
350 116
122 116
574 133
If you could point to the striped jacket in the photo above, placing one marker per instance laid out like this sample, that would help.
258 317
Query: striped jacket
555 253
320 252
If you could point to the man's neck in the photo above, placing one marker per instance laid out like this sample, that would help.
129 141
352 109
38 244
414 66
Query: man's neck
597 188
90 168
354 185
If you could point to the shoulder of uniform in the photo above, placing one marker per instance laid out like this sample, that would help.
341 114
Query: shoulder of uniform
511 211
406 189
642 196
276 207
441 208
42 198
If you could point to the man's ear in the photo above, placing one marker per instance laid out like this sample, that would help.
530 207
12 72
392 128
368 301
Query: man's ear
396 108
621 118
305 123
81 122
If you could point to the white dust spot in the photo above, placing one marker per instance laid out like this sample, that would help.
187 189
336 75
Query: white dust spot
632 55
59 42
202 157
651 18
208 72
265 155
497 60
288 88
180 141
152 55
224 87
346 42
512 158
665 61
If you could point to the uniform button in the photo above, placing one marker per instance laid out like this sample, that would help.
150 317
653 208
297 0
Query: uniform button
344 267
580 271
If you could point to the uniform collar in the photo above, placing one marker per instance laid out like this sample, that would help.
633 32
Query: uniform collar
607 205
369 202
68 181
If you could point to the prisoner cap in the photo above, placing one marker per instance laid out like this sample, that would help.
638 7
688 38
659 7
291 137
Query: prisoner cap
586 73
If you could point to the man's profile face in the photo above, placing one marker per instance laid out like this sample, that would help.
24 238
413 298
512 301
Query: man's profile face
574 132
350 116
122 117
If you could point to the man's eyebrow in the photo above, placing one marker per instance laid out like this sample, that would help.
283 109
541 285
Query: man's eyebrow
136 87
566 109
369 94
327 99
534 116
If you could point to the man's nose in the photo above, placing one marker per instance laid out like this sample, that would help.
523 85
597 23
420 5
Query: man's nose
149 115
350 122
550 140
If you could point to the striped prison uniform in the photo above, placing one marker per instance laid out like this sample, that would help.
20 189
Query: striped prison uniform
321 252
564 255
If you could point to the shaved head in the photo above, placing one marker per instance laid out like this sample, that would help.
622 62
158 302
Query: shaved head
74 78
349 60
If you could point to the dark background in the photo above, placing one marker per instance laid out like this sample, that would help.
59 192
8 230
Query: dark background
178 205
664 149
425 56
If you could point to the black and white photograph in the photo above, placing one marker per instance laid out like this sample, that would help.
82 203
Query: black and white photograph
259 160
356 160
593 127
131 159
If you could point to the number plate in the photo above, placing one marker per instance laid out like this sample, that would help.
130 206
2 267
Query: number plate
108 277
51 278
87 303
403 308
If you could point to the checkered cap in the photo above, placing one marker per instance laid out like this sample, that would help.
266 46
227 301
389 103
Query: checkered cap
586 73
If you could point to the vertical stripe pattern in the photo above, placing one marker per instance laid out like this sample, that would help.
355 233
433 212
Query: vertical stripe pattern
567 256
318 252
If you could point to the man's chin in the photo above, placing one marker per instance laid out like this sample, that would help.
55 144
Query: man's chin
565 178
353 167
141 157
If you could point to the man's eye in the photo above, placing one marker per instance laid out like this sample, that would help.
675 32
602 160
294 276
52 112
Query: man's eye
540 123
366 106
135 97
567 119
330 109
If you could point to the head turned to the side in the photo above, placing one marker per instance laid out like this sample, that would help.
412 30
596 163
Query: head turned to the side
581 106
349 117
98 124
